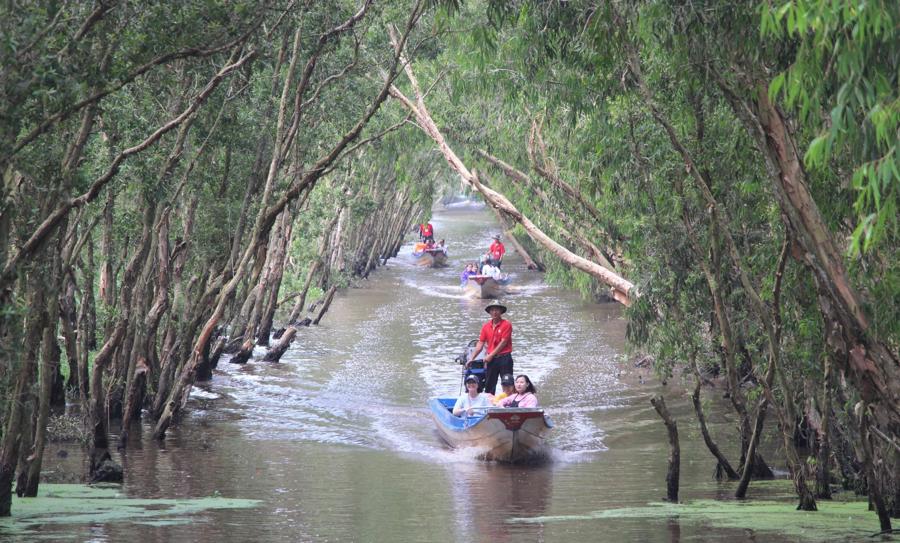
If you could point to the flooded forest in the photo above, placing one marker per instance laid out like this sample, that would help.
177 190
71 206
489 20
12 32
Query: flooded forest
231 240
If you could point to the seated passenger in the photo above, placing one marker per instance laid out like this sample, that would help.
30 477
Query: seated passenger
524 396
472 399
470 270
491 271
481 264
507 383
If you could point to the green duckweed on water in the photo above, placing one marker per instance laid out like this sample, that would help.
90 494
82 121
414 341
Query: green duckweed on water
83 504
834 521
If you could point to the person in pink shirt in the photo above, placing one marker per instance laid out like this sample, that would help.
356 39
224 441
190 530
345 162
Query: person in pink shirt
525 395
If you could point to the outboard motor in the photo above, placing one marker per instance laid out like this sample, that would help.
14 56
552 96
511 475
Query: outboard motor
477 367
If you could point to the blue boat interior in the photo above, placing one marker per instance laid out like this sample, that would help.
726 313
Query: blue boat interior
443 410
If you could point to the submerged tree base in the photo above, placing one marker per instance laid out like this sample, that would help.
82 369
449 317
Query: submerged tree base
66 504
834 521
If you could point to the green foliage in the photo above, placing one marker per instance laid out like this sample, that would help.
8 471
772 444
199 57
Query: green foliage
843 84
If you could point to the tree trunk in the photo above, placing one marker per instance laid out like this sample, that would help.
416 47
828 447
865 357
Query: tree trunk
276 352
107 280
723 464
48 367
12 436
823 436
876 486
329 296
68 318
213 360
86 327
674 467
99 438
276 271
133 311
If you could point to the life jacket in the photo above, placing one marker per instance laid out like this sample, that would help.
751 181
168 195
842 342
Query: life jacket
427 230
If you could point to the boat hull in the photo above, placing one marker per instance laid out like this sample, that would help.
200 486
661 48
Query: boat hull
485 287
513 435
431 258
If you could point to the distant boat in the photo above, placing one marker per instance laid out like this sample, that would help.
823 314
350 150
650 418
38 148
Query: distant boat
504 434
485 286
434 257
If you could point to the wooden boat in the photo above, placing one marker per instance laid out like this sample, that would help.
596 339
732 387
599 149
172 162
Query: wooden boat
503 434
485 286
435 257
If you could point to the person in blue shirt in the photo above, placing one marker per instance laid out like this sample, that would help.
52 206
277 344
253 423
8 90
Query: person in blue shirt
471 269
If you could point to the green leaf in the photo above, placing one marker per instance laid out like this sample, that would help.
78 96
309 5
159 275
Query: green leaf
775 85
815 154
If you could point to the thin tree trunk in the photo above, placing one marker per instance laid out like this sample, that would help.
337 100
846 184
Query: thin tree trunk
86 327
823 436
723 464
48 367
876 487
68 318
99 431
674 464
329 296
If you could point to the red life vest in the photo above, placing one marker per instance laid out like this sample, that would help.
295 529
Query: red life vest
427 230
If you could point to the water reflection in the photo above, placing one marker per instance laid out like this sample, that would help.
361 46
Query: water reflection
486 495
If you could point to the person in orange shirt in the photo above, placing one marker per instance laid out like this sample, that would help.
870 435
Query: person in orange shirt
496 339
497 250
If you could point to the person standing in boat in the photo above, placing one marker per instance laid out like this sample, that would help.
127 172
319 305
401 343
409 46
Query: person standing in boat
496 340
497 250
426 231
525 395
471 399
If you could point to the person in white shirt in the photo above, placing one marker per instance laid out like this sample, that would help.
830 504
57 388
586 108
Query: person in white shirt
472 399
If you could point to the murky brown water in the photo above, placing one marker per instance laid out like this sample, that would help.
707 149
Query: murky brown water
337 442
